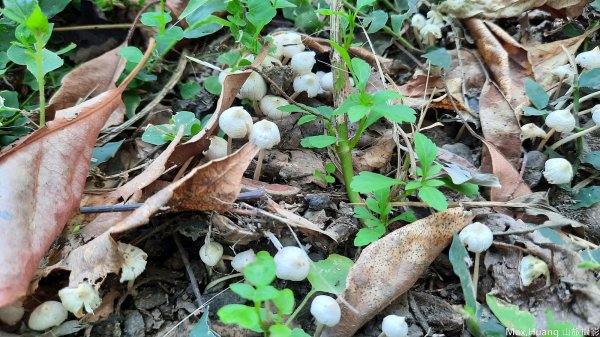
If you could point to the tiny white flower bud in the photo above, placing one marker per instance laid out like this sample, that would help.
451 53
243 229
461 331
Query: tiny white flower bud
302 63
292 264
596 114
558 171
394 326
211 253
77 298
589 59
134 261
254 88
47 315
531 130
217 148
307 82
242 259
236 122
326 310
531 268
265 134
561 120
477 237
564 72
418 21
270 107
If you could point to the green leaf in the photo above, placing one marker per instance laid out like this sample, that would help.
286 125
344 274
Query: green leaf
397 113
319 142
587 196
105 152
329 168
329 275
155 19
229 58
382 96
397 20
364 3
458 257
284 301
536 94
552 235
166 39
408 216
261 272
291 108
342 51
439 57
244 290
260 12
202 329
434 183
279 330
192 6
521 322
21 56
357 112
529 111
205 27
434 198
155 134
53 7
297 332
131 54
19 10
361 212
212 85
239 314
375 21
189 89
37 22
596 5
592 158
467 189
187 119
265 293
590 254
564 328
306 119
590 79
362 70
131 101
426 151
366 236
367 182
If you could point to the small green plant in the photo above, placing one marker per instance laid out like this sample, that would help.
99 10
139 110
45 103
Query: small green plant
326 176
12 122
161 134
269 305
32 35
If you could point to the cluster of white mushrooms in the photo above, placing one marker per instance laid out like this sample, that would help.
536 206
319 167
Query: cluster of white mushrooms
559 170
429 28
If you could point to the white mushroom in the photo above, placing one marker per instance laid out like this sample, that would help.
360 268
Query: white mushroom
531 130
292 264
531 268
75 299
302 63
326 312
242 259
47 315
217 148
270 107
236 122
211 252
589 59
561 120
134 261
308 83
394 326
265 135
558 171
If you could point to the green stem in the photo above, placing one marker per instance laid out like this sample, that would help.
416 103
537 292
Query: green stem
39 60
300 306
344 151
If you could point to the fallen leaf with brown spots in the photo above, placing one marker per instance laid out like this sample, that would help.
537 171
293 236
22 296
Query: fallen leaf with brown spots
390 266
495 9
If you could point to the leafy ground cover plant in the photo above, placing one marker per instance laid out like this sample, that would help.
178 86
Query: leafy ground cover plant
164 133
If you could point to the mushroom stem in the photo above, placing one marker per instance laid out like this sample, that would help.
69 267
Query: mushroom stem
257 109
545 139
229 144
418 37
261 157
574 136
294 95
476 274
430 39
285 60
319 330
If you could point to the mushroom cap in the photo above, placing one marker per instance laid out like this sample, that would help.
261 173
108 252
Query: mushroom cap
265 134
302 63
477 237
223 74
531 131
211 253
75 299
432 29
290 43
217 148
47 315
254 88
558 171
270 107
309 83
326 310
134 261
531 268
561 120
270 61
418 21
236 122
326 81
564 72
242 259
589 59
394 326
596 113
292 264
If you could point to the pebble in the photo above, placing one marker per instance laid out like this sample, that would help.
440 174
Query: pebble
534 166
317 202
134 324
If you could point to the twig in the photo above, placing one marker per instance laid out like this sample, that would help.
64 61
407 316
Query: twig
529 230
110 208
97 27
177 73
188 269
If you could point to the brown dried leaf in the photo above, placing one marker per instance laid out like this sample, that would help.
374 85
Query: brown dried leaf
43 180
495 9
512 184
376 156
90 79
390 266
296 221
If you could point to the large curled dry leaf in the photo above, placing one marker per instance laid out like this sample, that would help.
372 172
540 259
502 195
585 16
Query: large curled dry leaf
512 184
390 266
495 9
42 182
89 80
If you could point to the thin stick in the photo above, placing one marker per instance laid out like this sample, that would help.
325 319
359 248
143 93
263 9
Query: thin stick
574 136
110 208
188 269
97 27
545 139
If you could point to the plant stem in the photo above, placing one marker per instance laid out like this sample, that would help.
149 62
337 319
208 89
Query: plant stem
319 330
39 60
300 306
344 151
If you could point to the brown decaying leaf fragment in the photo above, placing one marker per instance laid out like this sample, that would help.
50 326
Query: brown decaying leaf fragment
512 185
90 79
42 182
495 9
390 266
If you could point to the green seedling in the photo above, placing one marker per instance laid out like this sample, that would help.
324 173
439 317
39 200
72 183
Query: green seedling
269 306
326 176
12 122
161 134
